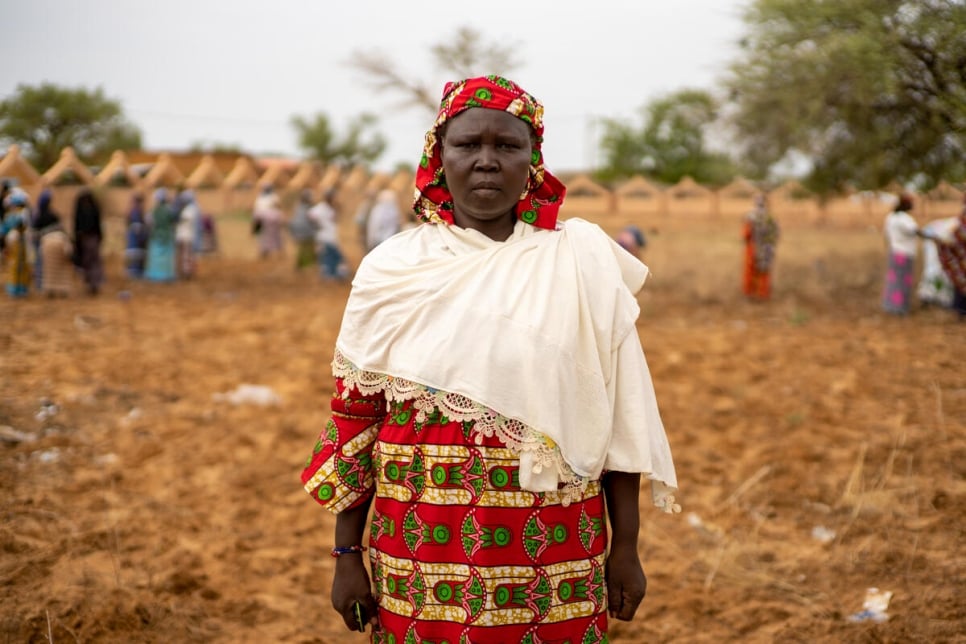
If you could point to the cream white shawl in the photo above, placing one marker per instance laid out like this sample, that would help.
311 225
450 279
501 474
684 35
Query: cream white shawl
533 338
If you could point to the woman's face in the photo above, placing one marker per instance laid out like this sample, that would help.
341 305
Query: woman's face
486 159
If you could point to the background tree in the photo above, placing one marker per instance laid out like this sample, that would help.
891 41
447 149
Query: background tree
46 118
463 55
215 147
670 144
869 91
360 144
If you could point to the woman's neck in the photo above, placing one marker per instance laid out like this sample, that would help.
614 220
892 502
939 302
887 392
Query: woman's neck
499 229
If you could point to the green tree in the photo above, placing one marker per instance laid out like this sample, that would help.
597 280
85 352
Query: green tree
46 118
360 144
670 143
463 55
869 91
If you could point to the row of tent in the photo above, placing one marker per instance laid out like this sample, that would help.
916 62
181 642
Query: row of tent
231 172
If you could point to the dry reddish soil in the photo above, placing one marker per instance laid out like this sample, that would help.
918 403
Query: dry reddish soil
144 509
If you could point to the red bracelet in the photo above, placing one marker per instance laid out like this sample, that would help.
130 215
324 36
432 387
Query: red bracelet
338 551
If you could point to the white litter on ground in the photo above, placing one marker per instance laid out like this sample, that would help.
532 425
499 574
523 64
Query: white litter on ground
250 395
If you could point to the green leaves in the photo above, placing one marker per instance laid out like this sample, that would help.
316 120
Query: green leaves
870 91
45 118
669 145
359 144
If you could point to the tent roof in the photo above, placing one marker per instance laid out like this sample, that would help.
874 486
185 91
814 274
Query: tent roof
68 162
242 173
163 173
688 187
119 164
207 173
583 186
639 186
12 164
306 176
740 188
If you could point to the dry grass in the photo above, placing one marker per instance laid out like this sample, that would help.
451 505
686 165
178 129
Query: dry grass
167 516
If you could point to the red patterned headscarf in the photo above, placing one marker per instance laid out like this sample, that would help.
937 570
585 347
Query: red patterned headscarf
540 202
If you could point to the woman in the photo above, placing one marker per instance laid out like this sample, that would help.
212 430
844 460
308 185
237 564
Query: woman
185 233
87 240
491 393
631 239
761 235
57 252
901 232
303 229
136 239
332 264
161 251
42 219
935 287
383 221
13 231
267 215
951 245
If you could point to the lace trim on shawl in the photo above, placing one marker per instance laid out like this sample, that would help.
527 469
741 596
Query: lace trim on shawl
516 435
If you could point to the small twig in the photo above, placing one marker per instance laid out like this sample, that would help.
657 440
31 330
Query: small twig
890 462
940 415
50 631
714 569
856 475
912 555
751 482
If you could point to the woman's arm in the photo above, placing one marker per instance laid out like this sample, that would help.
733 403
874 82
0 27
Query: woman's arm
339 476
351 585
626 582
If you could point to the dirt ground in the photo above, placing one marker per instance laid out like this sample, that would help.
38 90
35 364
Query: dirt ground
820 447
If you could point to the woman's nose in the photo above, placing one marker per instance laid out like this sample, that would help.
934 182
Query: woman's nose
487 158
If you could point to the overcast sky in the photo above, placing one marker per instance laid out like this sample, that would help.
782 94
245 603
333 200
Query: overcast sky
235 71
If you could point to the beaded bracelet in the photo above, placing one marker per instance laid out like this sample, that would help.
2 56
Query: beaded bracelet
338 551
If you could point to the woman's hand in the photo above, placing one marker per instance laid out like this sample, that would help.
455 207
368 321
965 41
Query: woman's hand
626 583
350 587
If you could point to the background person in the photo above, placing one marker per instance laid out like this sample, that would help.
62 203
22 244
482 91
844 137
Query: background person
161 266
88 236
303 230
332 265
16 254
901 243
186 234
43 218
935 287
631 239
761 233
267 216
136 238
951 244
57 251
383 221
491 392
